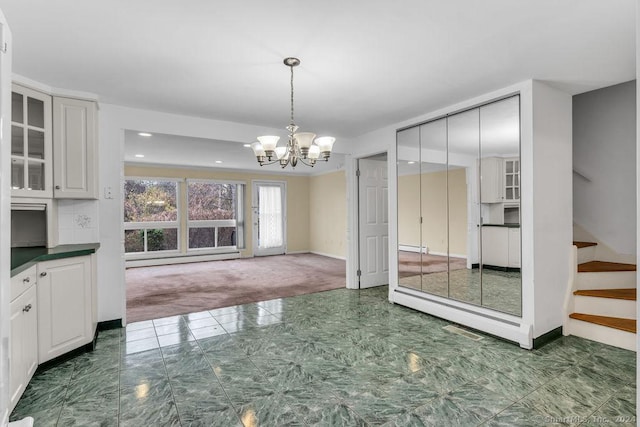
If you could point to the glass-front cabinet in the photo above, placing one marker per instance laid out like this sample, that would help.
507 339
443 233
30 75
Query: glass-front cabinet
459 206
30 143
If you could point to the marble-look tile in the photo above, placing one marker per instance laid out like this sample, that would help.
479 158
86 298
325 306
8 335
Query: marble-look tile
195 316
174 328
518 415
334 414
619 410
548 401
132 347
194 415
139 325
208 332
172 320
139 334
441 411
234 317
145 393
268 411
202 322
93 385
480 401
43 418
173 339
161 413
142 359
98 412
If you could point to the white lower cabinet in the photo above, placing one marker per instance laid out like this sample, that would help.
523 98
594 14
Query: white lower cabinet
24 338
501 246
66 315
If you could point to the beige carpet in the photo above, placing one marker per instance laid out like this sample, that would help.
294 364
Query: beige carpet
154 292
411 264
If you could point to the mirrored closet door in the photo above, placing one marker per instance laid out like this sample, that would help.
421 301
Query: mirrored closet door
459 206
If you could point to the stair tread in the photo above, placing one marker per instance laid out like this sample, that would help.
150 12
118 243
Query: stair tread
628 325
625 294
584 244
603 266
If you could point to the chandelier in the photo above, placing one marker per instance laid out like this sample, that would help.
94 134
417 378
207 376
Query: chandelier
301 146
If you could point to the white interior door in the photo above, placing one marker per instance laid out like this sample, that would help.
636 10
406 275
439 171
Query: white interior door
373 218
269 217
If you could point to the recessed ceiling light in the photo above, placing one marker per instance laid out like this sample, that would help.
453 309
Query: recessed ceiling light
218 161
144 134
247 145
139 156
410 163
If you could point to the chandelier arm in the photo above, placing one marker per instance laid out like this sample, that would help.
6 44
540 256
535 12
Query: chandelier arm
300 159
270 163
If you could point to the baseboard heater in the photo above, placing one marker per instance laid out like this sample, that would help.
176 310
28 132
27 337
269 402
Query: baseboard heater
149 262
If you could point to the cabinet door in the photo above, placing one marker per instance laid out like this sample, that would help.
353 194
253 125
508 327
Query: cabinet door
495 246
512 180
65 306
491 180
24 342
514 247
18 380
30 143
74 149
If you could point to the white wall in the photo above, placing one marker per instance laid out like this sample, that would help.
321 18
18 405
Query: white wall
550 172
5 215
604 151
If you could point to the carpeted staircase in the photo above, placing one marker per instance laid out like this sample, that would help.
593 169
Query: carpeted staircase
602 306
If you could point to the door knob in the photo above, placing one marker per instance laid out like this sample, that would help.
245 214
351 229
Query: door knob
57 187
44 273
26 280
27 308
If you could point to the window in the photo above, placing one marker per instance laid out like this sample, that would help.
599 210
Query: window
166 217
214 215
150 216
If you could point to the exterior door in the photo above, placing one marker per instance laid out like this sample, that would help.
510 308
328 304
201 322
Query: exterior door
269 217
373 218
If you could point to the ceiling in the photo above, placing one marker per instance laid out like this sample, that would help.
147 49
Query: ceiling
365 64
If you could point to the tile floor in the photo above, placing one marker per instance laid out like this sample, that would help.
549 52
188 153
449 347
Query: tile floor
335 358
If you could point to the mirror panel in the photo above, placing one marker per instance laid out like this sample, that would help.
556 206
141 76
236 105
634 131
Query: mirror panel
409 243
433 205
464 145
500 207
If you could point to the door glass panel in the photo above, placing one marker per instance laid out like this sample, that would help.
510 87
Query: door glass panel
17 174
270 230
17 141
433 205
500 230
35 112
36 176
35 144
409 240
16 108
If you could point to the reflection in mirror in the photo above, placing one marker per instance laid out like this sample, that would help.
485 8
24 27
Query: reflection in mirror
500 205
433 206
409 241
464 143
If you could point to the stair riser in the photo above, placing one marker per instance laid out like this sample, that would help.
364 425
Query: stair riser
603 334
586 254
606 280
605 307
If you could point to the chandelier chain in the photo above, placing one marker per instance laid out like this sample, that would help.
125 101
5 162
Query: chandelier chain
291 67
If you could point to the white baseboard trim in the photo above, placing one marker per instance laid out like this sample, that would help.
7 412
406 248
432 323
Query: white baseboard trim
179 260
329 255
451 255
296 252
502 325
409 248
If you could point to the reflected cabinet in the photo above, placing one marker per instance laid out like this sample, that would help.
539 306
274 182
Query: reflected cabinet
459 206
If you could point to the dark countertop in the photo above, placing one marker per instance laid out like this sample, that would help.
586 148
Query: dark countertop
23 258
508 225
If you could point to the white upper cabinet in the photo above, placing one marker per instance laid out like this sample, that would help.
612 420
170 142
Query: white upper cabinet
492 180
512 180
30 143
75 165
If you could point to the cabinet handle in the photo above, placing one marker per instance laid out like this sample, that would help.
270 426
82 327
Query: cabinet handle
44 273
26 280
57 187
27 308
